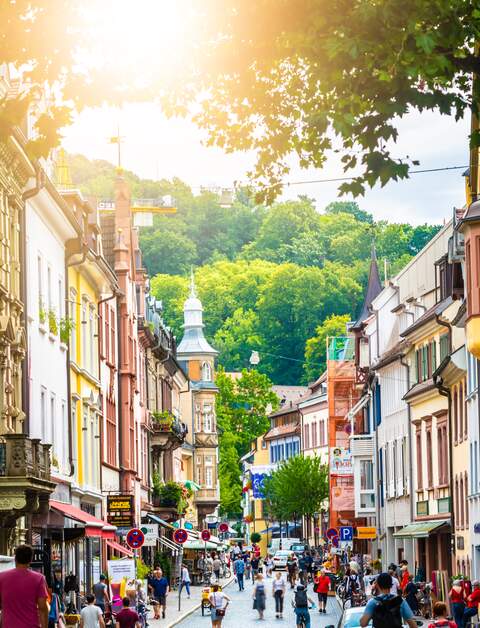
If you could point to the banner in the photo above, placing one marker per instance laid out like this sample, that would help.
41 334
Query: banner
259 473
340 461
343 498
121 577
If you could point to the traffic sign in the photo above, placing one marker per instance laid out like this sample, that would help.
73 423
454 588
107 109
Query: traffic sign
331 532
135 538
205 535
335 541
346 533
180 536
223 527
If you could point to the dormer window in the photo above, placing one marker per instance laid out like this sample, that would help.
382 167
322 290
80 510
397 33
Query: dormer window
206 372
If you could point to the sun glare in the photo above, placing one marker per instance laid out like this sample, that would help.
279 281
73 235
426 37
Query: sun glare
141 37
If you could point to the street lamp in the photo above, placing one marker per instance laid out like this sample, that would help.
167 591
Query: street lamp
254 358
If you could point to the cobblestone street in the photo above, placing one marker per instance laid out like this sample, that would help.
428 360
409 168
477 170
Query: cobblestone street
241 613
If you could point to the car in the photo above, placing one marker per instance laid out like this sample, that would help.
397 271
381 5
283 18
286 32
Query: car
280 559
297 548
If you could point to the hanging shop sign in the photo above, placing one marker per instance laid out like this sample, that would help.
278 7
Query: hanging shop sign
121 510
340 461
150 531
366 532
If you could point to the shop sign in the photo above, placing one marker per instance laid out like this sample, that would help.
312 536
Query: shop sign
150 531
366 532
121 576
121 510
340 461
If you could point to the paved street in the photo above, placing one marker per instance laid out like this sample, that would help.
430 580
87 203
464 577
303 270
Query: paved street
240 611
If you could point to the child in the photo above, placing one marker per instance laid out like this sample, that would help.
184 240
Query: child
440 617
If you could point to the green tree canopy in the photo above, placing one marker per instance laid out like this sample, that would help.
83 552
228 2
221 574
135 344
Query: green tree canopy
298 488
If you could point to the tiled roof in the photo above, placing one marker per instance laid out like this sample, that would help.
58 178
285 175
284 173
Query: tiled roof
282 430
430 314
395 352
107 222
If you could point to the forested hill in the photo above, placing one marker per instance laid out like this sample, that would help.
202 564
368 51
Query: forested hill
275 279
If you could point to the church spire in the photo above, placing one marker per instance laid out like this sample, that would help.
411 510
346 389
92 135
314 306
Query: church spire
193 341
374 287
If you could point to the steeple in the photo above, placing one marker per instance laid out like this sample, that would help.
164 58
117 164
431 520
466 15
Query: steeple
374 287
193 341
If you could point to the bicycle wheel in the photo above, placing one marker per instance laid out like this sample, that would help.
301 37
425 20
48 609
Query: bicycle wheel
227 573
347 603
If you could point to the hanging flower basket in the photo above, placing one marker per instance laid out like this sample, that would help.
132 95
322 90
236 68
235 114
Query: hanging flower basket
248 519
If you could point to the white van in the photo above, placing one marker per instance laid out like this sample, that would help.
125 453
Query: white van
284 544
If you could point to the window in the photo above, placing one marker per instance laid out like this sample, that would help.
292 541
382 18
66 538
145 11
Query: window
429 459
207 418
43 414
367 485
113 346
53 424
314 434
467 517
206 372
49 288
322 433
208 471
73 428
404 465
73 336
418 447
83 357
455 414
92 340
460 412
61 298
41 302
462 504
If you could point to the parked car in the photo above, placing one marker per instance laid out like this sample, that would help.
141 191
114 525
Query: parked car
298 548
280 559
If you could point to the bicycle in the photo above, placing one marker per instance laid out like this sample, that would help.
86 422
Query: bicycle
302 623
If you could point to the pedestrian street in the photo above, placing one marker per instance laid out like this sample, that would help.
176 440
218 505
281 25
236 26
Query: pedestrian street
240 611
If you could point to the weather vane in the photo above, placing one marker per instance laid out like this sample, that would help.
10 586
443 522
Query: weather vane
117 139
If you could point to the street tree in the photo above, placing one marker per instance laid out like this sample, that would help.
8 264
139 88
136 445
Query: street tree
297 488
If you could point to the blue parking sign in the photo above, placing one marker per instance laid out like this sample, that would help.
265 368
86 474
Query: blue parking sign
346 533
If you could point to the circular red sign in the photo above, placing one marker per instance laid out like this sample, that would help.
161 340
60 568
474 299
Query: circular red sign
180 536
205 535
135 538
331 532
223 527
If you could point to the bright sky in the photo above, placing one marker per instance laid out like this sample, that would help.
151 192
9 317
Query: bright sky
155 147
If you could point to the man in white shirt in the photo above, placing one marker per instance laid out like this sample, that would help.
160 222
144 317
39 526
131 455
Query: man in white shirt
395 582
91 616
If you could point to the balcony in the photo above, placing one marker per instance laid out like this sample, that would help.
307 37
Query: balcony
168 431
25 484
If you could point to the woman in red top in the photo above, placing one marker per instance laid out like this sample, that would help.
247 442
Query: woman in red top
322 587
440 617
457 598
405 575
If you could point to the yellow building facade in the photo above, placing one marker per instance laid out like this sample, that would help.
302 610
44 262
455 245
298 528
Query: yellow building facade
257 460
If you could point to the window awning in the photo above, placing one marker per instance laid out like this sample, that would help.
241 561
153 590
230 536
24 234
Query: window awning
120 548
198 544
420 529
93 526
160 521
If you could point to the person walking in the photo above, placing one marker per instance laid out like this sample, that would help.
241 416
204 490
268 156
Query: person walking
321 586
127 617
387 610
239 572
392 570
440 617
218 602
405 579
410 593
248 566
158 585
23 593
457 599
91 615
473 601
279 588
259 596
100 591
217 566
255 564
185 580
269 566
292 569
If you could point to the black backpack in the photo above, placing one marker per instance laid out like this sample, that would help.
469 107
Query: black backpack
387 612
301 600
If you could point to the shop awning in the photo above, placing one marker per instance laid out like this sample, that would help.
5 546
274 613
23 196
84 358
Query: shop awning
421 529
199 545
160 521
120 548
93 526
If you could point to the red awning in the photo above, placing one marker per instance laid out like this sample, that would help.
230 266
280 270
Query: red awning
93 526
120 548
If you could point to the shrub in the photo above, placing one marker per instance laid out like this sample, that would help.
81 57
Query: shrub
255 537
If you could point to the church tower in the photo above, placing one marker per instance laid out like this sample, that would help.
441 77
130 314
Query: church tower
197 358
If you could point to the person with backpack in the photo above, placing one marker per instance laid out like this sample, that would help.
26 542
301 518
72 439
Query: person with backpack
440 617
387 610
301 606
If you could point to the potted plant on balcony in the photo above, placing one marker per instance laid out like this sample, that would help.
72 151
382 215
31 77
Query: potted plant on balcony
66 326
167 495
163 421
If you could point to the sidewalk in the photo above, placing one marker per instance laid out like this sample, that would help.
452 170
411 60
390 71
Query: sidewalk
188 606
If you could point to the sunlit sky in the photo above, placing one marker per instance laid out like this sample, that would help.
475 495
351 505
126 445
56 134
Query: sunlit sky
155 147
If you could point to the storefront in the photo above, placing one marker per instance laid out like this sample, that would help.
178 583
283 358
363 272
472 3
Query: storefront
433 546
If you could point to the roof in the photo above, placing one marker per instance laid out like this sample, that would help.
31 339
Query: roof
282 430
374 287
193 342
418 389
286 408
428 315
107 222
394 353
290 393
